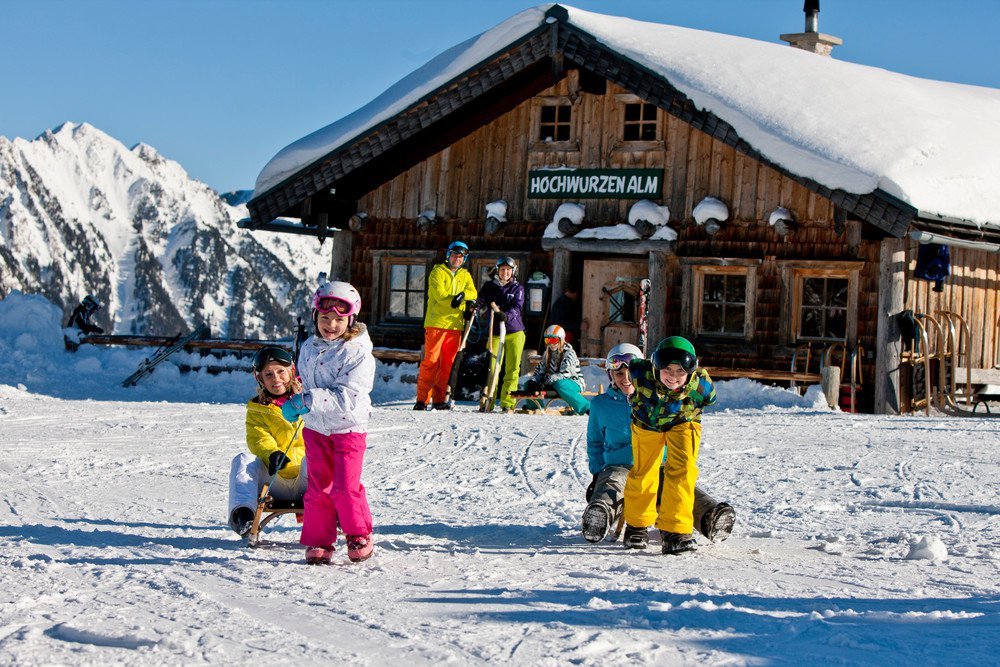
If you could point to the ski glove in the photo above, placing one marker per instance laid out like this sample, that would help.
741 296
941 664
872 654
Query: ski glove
277 461
293 408
470 310
532 386
457 301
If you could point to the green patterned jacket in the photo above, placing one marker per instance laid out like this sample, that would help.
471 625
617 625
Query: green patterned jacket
655 408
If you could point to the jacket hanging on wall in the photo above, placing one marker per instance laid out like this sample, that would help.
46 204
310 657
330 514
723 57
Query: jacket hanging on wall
933 263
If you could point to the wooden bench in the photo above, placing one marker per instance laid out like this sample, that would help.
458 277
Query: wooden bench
720 373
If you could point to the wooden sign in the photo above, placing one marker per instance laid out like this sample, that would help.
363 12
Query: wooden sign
569 183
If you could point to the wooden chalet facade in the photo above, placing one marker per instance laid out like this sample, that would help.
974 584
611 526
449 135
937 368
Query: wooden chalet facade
748 297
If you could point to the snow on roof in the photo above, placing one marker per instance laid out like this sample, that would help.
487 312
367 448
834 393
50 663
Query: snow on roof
850 127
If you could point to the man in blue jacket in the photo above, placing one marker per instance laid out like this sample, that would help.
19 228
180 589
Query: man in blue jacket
609 454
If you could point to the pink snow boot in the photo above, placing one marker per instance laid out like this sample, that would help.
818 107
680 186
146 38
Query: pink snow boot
359 547
319 555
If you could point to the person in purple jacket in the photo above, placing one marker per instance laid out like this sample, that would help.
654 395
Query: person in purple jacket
505 296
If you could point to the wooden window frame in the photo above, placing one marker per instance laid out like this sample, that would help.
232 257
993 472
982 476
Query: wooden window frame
694 271
793 274
382 262
535 144
623 145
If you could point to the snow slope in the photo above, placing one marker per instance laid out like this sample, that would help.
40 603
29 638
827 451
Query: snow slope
847 126
114 550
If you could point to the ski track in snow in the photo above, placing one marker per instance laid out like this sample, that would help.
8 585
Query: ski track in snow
114 549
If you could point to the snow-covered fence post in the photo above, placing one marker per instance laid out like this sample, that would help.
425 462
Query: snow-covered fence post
831 384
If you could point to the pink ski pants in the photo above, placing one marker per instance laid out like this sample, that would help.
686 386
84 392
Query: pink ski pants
334 492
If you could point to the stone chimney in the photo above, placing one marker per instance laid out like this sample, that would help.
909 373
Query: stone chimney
812 39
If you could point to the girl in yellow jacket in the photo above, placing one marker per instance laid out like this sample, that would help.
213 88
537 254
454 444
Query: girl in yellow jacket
271 456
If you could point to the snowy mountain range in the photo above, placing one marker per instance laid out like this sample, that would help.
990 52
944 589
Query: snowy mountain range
82 214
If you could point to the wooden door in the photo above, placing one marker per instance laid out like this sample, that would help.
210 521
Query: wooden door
610 303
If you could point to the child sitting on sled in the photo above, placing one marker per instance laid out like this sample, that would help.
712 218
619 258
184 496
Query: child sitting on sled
338 372
274 455
559 370
609 455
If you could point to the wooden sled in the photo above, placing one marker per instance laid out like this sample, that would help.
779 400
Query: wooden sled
546 398
269 509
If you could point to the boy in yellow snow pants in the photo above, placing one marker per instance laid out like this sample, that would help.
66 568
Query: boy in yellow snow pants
676 514
671 392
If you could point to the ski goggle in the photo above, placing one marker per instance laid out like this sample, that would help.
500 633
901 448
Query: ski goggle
621 361
663 358
552 340
332 304
266 355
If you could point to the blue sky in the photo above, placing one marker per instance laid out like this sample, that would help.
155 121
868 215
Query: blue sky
221 86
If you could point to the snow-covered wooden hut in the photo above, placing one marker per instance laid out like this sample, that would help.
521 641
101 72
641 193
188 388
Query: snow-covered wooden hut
774 198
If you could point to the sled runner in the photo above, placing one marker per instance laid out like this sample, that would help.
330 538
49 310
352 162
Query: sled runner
269 509
459 356
546 398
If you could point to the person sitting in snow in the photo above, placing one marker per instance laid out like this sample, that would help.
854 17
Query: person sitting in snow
80 317
609 456
338 372
559 370
274 454
670 394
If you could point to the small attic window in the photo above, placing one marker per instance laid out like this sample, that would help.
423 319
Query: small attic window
640 122
554 122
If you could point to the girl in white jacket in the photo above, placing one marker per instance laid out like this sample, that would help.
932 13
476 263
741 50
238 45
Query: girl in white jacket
337 370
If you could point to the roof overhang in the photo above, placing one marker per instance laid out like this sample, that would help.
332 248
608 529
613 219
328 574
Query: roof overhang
332 184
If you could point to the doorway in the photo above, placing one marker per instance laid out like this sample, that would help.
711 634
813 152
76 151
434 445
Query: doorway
611 303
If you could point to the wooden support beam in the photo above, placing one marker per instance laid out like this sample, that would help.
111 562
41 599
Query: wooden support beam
658 274
888 342
340 262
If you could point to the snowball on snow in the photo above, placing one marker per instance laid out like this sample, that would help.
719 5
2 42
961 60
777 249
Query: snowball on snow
620 231
574 212
928 548
497 209
780 213
650 212
710 208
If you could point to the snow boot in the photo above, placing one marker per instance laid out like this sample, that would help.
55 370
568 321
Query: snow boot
319 555
441 406
242 520
717 523
635 538
359 547
420 405
677 543
596 522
